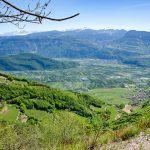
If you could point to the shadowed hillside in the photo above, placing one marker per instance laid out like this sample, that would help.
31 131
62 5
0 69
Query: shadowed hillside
130 47
26 61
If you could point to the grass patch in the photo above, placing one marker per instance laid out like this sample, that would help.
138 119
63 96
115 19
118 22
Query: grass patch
10 114
112 109
113 95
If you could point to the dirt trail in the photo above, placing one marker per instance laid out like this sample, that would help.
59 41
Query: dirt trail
127 109
23 118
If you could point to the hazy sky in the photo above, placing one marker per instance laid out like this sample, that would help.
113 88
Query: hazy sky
96 14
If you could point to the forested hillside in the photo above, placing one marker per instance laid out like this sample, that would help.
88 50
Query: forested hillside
27 61
34 95
35 114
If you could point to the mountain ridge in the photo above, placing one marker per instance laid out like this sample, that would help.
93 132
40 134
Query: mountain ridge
101 44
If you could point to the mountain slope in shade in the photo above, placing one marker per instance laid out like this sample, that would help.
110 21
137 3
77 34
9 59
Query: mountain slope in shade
26 61
72 44
127 47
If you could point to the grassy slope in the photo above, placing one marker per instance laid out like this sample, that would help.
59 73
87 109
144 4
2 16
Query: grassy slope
113 95
69 123
9 114
38 97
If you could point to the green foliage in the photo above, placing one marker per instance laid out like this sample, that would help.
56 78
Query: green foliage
144 123
62 119
22 108
9 113
121 106
132 118
113 95
40 97
146 104
126 133
32 62
32 120
57 132
7 136
106 137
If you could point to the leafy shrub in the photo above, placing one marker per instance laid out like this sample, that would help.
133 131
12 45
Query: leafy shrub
32 120
22 108
144 123
121 106
146 104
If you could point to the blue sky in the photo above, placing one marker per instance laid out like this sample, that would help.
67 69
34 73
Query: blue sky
96 14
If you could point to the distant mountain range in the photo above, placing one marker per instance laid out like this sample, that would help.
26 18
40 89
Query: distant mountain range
131 47
15 33
26 61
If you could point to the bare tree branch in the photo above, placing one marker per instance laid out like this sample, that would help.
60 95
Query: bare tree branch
10 13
